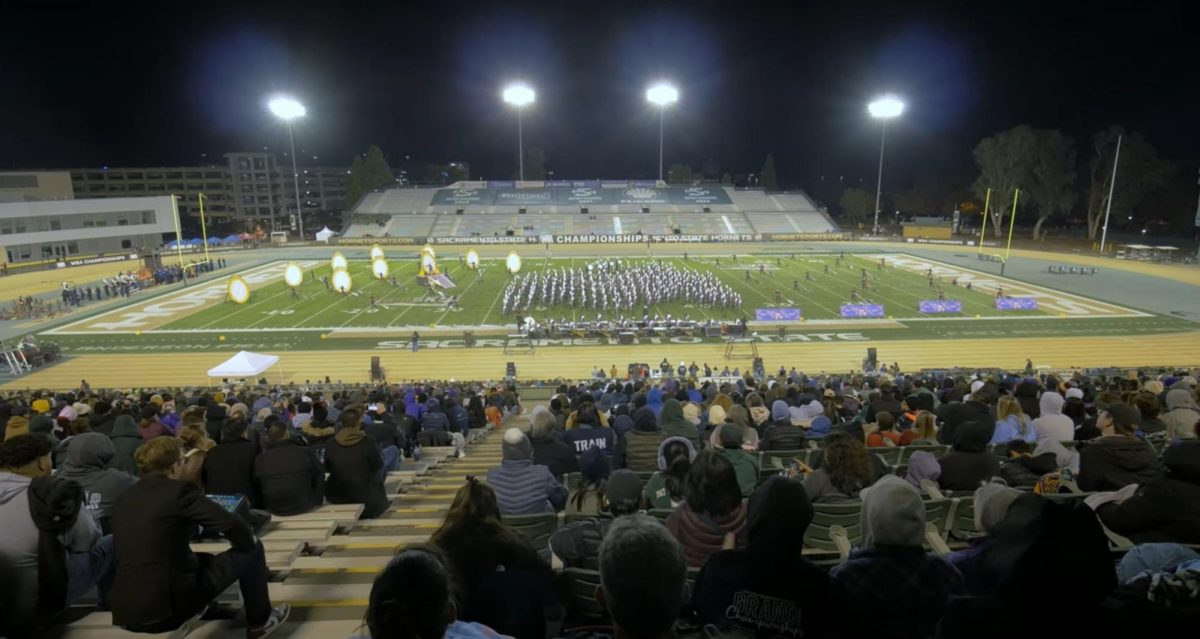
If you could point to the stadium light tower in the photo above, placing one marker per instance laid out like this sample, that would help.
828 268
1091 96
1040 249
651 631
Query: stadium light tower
520 96
663 95
288 109
885 108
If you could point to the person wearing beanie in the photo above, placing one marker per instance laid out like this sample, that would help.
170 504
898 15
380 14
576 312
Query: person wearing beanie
637 449
745 464
733 589
969 463
716 417
691 412
577 544
673 423
587 497
781 434
521 487
1164 509
18 423
892 561
1117 458
991 506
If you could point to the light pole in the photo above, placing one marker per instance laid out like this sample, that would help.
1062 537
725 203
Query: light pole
288 109
663 95
519 95
885 108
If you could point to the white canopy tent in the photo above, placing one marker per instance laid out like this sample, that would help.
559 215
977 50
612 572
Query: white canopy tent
324 234
244 364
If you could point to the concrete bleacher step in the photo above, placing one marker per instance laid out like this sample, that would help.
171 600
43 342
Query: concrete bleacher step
371 563
329 512
98 625
301 534
279 554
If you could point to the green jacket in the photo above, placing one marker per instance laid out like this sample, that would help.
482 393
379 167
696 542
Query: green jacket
674 425
745 465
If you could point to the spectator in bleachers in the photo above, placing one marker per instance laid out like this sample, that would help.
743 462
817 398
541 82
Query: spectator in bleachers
521 487
977 407
637 449
318 430
413 596
1023 467
586 431
665 488
1051 424
476 418
433 418
87 464
1181 417
125 440
102 418
643 578
768 588
457 415
588 496
18 422
675 425
556 456
882 432
386 433
214 419
288 478
229 466
354 464
969 463
1164 509
780 434
1012 422
51 550
149 426
713 515
196 445
746 465
844 472
1151 428
921 466
1118 457
502 581
897 589
577 544
923 432
160 583
991 504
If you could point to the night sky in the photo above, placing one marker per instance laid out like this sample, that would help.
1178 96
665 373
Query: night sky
104 85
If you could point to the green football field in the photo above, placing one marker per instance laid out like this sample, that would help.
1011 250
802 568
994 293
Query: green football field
770 282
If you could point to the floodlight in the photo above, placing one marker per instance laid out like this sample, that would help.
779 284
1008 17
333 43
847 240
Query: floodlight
889 106
379 267
519 95
338 262
286 108
293 276
662 94
472 259
513 262
238 290
376 252
342 281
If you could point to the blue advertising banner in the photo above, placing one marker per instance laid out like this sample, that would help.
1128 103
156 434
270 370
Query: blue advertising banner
776 314
940 306
1016 303
862 310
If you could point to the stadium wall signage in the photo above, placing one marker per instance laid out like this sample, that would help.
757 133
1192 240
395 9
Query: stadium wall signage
100 259
612 341
368 241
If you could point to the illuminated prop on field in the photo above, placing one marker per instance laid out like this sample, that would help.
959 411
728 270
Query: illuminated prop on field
379 268
428 263
293 276
513 262
238 290
376 253
472 259
338 262
341 281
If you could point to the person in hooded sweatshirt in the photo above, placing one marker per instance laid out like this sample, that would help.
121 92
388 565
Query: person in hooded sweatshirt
288 477
713 514
893 588
991 505
675 425
781 434
1051 424
1118 457
103 418
969 463
353 462
588 432
1165 509
125 440
1182 413
521 487
229 466
745 464
637 449
87 464
768 589
51 550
